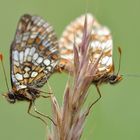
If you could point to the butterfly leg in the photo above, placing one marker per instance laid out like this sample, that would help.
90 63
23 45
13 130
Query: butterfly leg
41 91
99 93
29 112
40 113
48 93
44 96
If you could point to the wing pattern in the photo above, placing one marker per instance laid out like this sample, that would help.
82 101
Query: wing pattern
34 52
101 40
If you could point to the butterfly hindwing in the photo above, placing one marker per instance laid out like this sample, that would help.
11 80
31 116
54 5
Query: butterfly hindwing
101 40
34 52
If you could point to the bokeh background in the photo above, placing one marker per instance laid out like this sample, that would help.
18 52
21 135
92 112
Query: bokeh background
117 115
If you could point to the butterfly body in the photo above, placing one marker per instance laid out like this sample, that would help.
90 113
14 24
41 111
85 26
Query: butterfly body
34 56
100 43
107 78
26 94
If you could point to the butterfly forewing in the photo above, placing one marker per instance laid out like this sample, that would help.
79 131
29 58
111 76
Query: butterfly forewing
101 41
34 52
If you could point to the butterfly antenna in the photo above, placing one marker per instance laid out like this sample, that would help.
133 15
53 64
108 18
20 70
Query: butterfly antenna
128 75
132 75
120 53
1 59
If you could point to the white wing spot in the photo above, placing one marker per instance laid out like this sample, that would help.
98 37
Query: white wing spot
46 71
48 68
54 64
25 36
109 62
27 69
18 38
109 44
29 58
39 60
16 63
103 31
26 75
105 60
15 55
21 87
35 56
47 62
34 74
34 35
21 57
19 76
78 40
26 53
32 51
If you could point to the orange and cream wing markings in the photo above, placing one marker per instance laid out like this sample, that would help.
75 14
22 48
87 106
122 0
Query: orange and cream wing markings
34 52
101 40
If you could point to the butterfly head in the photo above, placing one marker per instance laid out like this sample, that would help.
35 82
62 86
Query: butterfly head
113 79
10 96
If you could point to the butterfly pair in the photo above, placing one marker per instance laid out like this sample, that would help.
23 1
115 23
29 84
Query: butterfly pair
35 54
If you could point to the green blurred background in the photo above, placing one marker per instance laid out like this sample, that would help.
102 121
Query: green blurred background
117 115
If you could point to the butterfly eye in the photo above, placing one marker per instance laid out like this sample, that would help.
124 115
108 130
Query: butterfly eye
113 79
11 98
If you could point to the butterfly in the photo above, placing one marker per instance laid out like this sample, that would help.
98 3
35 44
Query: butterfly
34 55
100 41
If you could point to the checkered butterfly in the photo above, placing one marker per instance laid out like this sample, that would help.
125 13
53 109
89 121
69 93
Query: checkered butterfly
34 55
100 41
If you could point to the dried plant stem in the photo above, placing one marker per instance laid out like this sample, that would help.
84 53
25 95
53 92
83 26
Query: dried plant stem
70 117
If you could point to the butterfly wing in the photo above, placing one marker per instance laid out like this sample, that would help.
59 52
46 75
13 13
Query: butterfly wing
101 40
34 52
